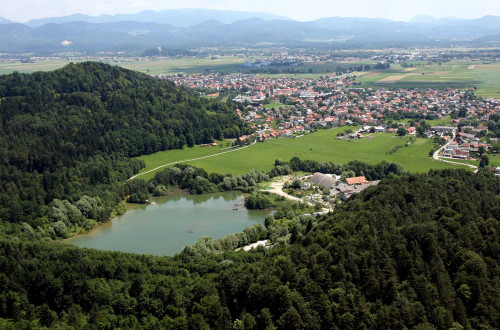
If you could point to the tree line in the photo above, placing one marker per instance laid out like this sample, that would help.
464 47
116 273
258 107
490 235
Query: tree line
418 251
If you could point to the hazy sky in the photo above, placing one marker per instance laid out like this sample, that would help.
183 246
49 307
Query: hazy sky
24 10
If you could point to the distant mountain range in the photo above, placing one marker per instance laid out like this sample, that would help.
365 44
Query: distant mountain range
190 28
3 20
175 17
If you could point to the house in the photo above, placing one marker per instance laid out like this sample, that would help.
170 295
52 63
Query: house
441 129
356 180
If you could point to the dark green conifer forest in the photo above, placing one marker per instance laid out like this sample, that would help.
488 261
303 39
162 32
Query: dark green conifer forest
67 138
414 252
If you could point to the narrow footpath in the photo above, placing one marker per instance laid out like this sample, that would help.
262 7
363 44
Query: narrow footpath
189 160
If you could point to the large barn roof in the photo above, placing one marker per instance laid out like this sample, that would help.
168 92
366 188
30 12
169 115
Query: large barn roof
323 180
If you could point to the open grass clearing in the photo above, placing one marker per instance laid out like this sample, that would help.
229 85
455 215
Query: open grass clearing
165 157
319 146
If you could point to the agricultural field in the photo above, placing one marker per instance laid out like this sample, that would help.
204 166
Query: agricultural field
48 65
188 65
320 146
153 67
455 74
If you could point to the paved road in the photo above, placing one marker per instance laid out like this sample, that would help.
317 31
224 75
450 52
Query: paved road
436 155
189 160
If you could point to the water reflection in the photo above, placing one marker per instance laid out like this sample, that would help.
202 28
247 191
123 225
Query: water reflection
165 227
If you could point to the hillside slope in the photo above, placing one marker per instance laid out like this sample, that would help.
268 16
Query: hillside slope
420 251
71 132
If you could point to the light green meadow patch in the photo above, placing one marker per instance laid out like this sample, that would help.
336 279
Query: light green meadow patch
319 146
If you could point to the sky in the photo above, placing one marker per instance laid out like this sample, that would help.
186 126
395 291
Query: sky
302 10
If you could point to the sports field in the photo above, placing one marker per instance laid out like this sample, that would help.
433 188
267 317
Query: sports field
320 146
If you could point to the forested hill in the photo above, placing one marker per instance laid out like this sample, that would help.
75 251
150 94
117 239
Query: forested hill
86 108
69 133
416 252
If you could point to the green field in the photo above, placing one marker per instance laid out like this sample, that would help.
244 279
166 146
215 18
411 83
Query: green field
153 67
165 157
188 65
274 105
455 74
494 160
49 65
320 146
445 121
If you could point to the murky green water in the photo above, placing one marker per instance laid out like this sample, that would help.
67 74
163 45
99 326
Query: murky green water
165 227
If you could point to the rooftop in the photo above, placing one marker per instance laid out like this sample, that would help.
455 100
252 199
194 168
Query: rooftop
357 180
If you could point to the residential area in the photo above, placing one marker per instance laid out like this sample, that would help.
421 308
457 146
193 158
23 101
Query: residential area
291 107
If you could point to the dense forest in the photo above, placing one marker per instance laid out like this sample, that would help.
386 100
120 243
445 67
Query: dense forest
67 138
415 251
418 251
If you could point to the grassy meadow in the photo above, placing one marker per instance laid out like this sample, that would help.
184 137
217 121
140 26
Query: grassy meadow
320 146
170 156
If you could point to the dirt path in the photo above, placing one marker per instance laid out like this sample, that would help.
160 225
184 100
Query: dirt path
189 160
276 189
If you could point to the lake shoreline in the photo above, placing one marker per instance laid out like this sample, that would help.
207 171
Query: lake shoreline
167 224
171 193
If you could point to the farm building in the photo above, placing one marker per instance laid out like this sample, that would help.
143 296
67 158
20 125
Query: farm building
323 180
356 180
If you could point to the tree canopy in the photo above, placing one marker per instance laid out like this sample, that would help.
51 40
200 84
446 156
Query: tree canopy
419 251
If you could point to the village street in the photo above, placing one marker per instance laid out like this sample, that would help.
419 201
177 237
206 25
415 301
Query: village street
436 155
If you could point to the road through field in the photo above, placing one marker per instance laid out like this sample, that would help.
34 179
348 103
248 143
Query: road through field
436 155
189 160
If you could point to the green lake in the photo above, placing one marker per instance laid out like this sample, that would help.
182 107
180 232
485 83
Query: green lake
164 227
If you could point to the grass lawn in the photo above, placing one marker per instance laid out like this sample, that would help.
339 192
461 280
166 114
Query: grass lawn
494 160
445 121
320 146
464 161
274 105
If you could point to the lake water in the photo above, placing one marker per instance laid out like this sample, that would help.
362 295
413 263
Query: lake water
165 227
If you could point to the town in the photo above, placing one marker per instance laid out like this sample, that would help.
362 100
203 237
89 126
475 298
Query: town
291 107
